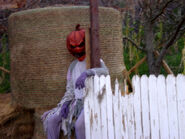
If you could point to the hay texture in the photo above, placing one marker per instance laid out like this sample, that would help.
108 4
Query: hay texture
39 58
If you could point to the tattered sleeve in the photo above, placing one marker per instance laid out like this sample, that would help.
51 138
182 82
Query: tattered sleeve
69 94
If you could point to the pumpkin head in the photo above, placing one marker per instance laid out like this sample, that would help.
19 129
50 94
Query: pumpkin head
76 43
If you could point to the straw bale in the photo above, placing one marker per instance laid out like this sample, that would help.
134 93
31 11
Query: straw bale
39 58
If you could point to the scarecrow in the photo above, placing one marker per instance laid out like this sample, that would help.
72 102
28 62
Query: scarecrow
69 114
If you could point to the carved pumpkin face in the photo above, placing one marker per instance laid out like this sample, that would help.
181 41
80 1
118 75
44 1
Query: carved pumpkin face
76 43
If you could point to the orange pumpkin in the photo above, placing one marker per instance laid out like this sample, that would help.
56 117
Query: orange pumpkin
76 43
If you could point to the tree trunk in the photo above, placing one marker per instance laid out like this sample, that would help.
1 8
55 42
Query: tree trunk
149 39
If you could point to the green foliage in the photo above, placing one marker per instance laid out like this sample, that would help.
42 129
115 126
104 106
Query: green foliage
132 55
174 57
4 62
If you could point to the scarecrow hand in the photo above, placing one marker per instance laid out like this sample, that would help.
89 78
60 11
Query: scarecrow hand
80 82
65 109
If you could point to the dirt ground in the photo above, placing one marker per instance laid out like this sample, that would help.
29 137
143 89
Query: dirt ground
15 122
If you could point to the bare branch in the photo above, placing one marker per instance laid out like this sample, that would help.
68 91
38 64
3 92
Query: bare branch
162 10
165 65
130 40
171 40
137 65
4 70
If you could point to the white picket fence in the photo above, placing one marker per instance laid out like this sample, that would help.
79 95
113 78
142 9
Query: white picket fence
155 110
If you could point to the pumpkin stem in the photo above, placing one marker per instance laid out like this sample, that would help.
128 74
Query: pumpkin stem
78 27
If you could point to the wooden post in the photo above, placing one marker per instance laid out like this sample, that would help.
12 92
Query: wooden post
95 50
87 48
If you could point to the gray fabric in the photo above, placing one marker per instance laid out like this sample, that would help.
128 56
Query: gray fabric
103 70
78 108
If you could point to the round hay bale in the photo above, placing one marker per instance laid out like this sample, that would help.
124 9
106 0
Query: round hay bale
39 58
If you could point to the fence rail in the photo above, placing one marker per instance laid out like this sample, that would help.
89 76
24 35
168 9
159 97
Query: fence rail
156 108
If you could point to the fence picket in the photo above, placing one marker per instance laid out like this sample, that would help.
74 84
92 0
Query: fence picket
162 107
97 129
154 120
181 105
145 107
172 107
122 120
116 109
87 109
109 109
103 106
130 110
137 107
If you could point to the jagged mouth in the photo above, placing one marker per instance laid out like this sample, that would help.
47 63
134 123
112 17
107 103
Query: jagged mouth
78 55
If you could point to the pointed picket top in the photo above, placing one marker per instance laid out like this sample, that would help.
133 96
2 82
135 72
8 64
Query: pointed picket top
88 108
116 110
137 106
103 106
180 86
180 80
96 114
145 107
109 109
172 106
153 106
162 107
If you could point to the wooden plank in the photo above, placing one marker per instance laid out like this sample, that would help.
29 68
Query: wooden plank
137 107
130 110
117 114
109 109
103 105
96 114
153 107
146 128
172 107
162 107
87 49
95 49
88 106
181 104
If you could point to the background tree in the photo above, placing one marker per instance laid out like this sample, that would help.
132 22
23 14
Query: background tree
151 15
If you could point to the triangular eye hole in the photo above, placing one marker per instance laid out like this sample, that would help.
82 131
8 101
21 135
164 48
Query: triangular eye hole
82 43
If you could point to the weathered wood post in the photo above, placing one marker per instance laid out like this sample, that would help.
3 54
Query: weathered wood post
95 49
